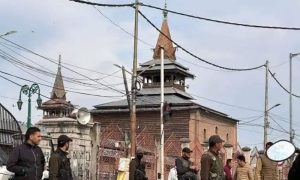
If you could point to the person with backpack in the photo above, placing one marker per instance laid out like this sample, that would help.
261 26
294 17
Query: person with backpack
27 161
59 163
211 161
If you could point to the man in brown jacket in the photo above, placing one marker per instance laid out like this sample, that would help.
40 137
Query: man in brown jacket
211 161
59 163
266 169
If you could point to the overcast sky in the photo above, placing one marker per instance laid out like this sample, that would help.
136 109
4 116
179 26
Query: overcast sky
85 38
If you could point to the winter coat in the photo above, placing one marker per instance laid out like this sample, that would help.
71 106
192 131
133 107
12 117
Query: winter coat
27 162
59 166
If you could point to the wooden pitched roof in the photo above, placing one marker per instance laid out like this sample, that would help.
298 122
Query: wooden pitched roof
164 41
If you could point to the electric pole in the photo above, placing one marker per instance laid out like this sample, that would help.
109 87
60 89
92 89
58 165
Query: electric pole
266 113
133 85
162 140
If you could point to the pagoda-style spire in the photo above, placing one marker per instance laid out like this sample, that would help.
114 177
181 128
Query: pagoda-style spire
58 91
164 41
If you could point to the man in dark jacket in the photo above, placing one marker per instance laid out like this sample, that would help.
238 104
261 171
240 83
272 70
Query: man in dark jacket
137 167
59 163
294 172
27 161
184 167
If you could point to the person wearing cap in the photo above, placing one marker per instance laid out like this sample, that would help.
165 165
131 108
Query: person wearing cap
137 167
59 163
266 168
211 161
184 167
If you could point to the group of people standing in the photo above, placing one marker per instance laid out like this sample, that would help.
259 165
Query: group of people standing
27 161
212 165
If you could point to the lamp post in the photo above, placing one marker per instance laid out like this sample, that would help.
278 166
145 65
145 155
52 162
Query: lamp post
266 126
29 91
8 33
291 93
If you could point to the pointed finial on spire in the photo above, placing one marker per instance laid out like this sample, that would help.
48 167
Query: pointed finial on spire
58 91
59 61
165 13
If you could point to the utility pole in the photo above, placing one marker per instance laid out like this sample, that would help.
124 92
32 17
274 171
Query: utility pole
162 140
133 85
291 103
291 96
266 113
126 87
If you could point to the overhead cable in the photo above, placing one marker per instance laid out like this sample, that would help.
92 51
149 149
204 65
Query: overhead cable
104 5
195 56
277 81
24 79
222 22
48 59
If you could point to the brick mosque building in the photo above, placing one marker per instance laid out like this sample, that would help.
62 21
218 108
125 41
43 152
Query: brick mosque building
190 120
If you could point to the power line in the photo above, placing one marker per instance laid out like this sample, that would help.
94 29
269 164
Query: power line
150 45
255 119
120 27
104 5
195 56
189 15
222 22
278 124
78 67
48 59
43 67
226 104
50 86
280 64
277 81
19 85
16 62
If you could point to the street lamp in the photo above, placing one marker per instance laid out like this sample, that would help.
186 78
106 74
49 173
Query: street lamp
291 93
266 126
29 91
276 105
8 33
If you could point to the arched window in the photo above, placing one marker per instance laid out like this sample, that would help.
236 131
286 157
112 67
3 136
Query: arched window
216 130
204 134
227 137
